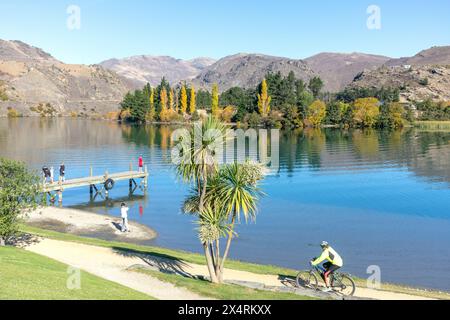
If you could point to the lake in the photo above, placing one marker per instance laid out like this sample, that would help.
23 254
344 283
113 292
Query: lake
380 198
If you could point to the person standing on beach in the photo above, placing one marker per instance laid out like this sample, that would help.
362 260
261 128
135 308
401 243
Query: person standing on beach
141 163
62 172
124 214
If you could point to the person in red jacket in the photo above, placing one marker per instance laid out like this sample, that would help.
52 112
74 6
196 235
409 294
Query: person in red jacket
141 163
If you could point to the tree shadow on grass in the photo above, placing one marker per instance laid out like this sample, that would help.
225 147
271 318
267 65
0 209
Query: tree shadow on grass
157 261
23 240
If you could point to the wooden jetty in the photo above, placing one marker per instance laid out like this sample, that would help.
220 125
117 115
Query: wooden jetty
98 184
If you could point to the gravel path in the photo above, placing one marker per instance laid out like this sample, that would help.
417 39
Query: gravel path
112 264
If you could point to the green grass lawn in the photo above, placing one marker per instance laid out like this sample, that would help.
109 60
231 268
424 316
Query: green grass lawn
221 292
28 276
231 264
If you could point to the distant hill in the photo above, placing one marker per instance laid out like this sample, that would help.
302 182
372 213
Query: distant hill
31 78
244 70
247 70
425 75
142 69
339 69
416 83
20 51
432 56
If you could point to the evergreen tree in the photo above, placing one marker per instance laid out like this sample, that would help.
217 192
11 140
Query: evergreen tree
315 85
204 99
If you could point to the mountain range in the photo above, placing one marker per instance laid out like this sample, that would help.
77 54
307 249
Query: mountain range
35 83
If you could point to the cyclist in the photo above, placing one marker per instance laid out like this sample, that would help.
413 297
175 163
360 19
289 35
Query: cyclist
333 262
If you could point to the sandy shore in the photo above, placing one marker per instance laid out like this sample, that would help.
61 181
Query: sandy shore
87 224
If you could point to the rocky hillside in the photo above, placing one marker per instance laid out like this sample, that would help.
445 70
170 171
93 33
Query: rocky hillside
416 83
432 56
32 82
337 70
247 70
142 69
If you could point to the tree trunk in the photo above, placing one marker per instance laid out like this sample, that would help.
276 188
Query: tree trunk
209 263
227 248
2 242
217 266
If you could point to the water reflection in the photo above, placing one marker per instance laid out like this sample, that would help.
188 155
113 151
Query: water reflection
427 154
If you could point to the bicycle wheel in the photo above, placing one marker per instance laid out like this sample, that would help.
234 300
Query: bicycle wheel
344 285
307 279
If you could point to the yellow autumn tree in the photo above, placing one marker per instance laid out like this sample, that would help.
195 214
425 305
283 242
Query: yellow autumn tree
264 99
192 101
183 99
163 99
151 112
366 111
315 113
215 100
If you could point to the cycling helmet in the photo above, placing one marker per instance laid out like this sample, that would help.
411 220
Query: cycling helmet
324 244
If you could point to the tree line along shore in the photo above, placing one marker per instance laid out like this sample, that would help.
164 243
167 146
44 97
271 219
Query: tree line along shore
279 102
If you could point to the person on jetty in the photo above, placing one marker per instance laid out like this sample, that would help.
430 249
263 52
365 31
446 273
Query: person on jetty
52 174
141 163
124 214
333 262
62 172
46 174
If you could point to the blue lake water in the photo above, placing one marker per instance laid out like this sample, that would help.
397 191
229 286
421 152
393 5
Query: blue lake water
380 198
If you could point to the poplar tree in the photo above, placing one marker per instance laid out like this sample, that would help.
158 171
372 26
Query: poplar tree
163 99
264 99
183 99
152 100
192 102
215 99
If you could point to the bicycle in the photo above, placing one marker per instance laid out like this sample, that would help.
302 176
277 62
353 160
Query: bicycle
340 282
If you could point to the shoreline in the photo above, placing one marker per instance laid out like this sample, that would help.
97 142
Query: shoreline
88 224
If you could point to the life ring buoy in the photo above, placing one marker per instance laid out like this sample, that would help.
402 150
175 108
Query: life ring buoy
109 184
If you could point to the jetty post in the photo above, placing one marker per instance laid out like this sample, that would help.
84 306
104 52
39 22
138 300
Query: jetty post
91 186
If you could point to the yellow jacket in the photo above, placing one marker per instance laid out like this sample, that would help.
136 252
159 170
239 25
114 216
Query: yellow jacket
330 255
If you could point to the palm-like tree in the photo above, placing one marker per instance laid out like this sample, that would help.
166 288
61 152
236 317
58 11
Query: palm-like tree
237 188
199 164
220 194
232 192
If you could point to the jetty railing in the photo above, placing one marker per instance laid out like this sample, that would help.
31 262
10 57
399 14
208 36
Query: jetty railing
105 182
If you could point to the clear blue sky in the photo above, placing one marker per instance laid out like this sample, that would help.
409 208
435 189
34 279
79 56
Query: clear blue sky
216 28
